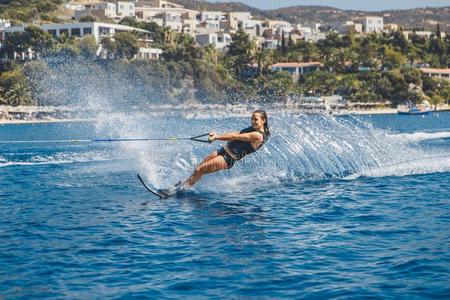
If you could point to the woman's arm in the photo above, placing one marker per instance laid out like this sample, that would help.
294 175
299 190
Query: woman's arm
250 137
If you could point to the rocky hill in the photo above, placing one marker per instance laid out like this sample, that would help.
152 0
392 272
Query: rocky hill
426 18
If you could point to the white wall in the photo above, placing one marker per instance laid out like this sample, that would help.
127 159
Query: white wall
125 9
373 24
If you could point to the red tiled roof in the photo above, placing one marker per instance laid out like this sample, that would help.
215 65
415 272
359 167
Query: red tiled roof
297 64
435 71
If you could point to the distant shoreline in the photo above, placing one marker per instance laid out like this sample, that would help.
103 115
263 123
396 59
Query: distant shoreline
31 120
21 122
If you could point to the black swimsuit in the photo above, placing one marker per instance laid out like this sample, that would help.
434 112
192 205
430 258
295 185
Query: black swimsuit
228 159
239 149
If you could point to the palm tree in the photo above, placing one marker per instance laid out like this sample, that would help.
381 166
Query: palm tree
413 55
211 54
2 96
18 94
264 59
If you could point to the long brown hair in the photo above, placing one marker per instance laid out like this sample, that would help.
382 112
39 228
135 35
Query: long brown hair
266 123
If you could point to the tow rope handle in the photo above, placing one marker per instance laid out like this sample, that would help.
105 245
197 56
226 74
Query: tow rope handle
198 138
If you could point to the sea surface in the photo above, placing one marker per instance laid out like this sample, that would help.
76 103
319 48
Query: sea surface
349 207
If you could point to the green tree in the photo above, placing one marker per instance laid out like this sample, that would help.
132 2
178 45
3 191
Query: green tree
433 86
329 49
240 52
444 89
27 11
211 54
18 94
348 85
274 87
368 54
14 43
400 88
88 19
66 47
319 82
366 93
88 47
14 86
131 21
108 48
127 45
438 48
398 40
304 51
438 31
33 38
45 6
264 59
435 100
184 49
384 88
390 58
412 75
37 39
2 96
284 46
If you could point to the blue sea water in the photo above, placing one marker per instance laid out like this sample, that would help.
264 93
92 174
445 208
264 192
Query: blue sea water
331 207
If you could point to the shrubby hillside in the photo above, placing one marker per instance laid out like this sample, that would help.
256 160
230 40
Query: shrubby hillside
373 68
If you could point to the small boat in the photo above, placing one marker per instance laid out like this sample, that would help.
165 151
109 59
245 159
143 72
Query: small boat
410 109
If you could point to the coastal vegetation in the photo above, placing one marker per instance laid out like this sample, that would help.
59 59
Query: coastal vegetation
29 11
376 68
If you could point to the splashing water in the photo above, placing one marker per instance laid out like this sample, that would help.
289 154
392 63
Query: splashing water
301 147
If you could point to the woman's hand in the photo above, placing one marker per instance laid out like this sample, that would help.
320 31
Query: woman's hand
212 136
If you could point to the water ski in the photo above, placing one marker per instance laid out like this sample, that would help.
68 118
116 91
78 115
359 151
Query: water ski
151 190
161 193
166 193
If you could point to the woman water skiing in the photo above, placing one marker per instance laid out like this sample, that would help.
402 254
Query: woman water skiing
239 144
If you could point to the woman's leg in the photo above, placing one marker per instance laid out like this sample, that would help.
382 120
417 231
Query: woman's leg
214 164
209 157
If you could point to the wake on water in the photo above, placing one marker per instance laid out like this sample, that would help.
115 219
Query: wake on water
302 147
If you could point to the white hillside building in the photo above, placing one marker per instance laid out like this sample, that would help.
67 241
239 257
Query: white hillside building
372 24
98 30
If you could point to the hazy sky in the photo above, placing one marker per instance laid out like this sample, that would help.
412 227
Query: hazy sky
367 5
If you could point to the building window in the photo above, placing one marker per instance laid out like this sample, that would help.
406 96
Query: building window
76 31
64 31
87 31
291 70
103 30
52 32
